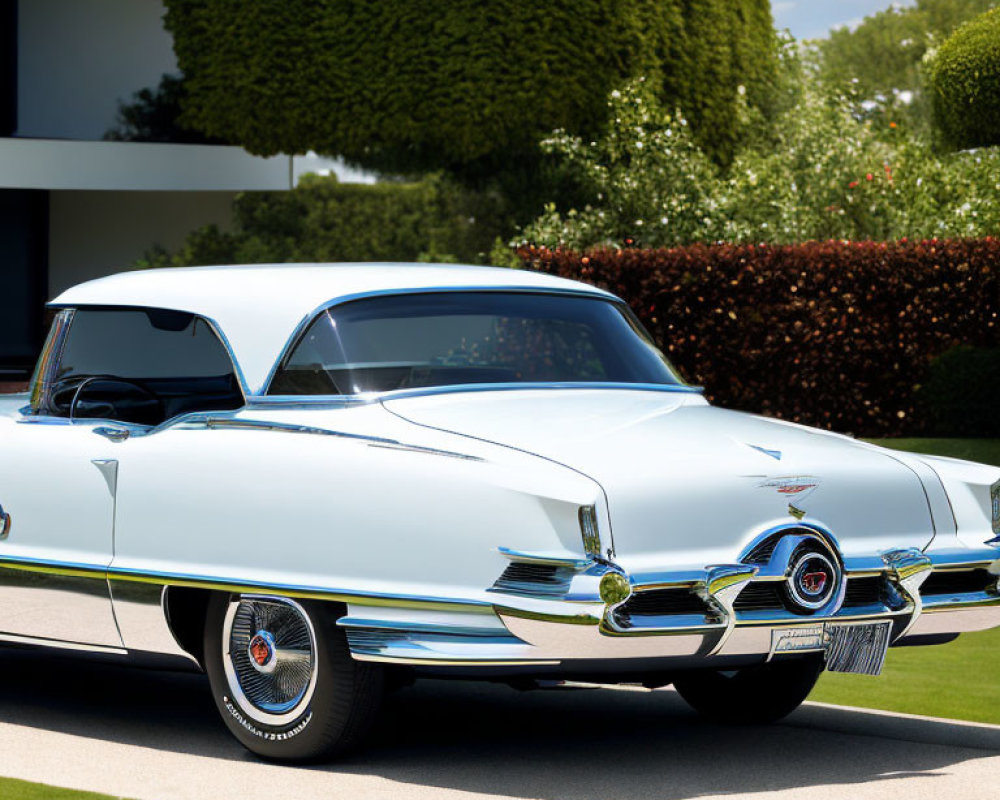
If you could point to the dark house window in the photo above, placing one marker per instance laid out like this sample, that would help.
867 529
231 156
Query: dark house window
8 67
24 232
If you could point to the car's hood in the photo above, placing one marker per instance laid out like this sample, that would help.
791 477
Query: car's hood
683 476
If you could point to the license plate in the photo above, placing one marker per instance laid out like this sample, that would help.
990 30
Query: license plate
859 648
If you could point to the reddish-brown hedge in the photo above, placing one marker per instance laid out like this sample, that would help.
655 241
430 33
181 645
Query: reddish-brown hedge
833 334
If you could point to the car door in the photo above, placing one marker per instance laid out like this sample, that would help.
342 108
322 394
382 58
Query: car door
57 490
108 376
57 482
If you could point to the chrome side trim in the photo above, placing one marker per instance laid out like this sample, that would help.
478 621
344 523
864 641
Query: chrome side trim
61 645
425 628
358 597
211 421
553 559
428 647
451 662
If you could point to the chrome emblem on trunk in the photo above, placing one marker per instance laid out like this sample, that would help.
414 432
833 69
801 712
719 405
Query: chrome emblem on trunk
797 486
812 580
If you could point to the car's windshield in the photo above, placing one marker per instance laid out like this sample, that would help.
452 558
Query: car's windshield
407 341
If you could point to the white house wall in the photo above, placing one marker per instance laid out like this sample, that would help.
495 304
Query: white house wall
92 234
130 166
78 58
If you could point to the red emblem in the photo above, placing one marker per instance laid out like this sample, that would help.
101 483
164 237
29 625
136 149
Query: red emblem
260 650
795 488
814 582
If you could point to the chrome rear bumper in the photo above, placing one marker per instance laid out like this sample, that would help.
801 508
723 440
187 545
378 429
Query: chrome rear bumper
713 614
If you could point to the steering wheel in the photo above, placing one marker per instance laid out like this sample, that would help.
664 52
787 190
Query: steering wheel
150 405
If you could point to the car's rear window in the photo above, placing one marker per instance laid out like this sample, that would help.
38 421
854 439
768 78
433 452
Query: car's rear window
396 342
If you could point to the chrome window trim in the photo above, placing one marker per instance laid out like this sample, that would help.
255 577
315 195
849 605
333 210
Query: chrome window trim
286 401
134 430
212 324
59 644
300 329
48 360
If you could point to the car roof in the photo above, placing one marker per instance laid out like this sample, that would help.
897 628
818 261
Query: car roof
258 307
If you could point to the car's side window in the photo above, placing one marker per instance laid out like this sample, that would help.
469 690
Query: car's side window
141 366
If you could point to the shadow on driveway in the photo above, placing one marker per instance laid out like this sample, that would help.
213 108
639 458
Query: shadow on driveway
489 739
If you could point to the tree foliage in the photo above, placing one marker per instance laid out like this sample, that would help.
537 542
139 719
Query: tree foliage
323 220
965 81
884 52
457 84
152 116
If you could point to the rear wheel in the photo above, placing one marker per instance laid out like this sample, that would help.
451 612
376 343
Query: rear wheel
283 678
753 695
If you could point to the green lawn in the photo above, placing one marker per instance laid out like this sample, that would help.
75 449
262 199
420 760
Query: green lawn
11 789
958 680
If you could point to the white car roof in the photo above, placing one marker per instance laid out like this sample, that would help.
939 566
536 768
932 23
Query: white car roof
258 307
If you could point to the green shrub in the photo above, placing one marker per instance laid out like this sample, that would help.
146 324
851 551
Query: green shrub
965 79
960 396
824 173
416 84
323 220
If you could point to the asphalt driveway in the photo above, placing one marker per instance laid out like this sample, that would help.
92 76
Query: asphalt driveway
155 735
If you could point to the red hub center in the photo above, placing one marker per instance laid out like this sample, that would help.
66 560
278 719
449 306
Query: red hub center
260 650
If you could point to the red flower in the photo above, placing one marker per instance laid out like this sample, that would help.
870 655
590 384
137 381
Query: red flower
869 177
852 185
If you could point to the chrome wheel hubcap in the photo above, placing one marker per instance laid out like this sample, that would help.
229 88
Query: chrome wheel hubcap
269 655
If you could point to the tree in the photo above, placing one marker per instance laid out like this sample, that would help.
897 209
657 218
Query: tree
465 85
965 80
152 116
884 52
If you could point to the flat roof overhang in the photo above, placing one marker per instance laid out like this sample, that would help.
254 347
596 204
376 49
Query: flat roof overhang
56 164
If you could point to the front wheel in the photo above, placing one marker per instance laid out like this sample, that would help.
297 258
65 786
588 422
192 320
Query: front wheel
283 678
753 695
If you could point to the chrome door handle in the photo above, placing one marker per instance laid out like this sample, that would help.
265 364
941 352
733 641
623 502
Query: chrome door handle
113 434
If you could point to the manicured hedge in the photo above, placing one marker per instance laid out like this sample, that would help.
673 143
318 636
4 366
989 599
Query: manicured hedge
965 83
961 393
416 84
833 334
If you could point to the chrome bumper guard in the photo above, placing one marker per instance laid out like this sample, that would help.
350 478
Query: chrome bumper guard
583 618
